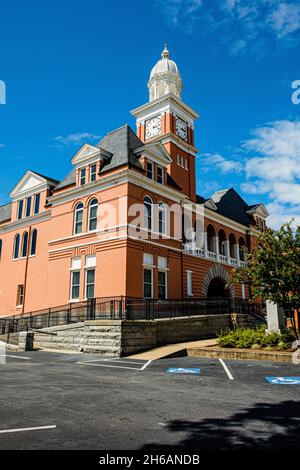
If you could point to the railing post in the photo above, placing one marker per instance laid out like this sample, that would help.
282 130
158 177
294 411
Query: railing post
120 308
111 309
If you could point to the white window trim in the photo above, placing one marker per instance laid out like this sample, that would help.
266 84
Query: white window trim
74 270
165 270
162 174
152 166
85 281
150 268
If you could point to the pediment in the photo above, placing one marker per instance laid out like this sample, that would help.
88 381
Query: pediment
157 152
29 183
260 211
210 204
85 153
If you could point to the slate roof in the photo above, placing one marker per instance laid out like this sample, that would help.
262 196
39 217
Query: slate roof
68 180
121 143
5 212
230 204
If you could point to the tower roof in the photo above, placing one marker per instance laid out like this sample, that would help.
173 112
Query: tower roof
165 77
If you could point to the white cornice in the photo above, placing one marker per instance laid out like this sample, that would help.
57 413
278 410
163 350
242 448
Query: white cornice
26 222
156 104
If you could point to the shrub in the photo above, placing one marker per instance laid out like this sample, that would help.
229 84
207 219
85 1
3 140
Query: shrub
255 338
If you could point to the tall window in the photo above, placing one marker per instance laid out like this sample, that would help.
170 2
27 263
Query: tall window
28 206
20 209
75 285
150 170
162 218
148 275
93 215
78 218
93 170
20 295
148 213
160 175
90 284
16 247
24 245
82 176
162 285
37 203
33 242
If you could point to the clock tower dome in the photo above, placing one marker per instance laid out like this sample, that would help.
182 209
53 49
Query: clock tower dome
168 119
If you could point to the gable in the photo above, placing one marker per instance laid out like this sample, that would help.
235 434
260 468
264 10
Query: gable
157 152
85 153
28 184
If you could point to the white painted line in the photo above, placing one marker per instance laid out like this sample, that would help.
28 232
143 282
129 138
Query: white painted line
39 428
111 360
226 369
146 365
107 365
15 357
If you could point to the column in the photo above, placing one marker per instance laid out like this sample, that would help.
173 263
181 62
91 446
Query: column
216 244
205 245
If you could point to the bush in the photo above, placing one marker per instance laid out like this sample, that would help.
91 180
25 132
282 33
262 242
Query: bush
255 339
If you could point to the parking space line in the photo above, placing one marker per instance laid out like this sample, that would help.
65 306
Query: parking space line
16 357
108 365
112 360
38 428
146 365
226 369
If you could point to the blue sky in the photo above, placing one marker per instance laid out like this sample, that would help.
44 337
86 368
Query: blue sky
73 71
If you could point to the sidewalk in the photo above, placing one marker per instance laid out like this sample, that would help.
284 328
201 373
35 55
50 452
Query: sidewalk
173 349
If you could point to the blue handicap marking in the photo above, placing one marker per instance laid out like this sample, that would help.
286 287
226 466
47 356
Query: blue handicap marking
283 380
180 370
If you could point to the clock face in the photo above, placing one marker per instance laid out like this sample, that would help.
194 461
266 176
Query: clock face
181 128
153 127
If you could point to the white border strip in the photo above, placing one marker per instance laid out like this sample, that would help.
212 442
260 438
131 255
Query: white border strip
39 428
226 369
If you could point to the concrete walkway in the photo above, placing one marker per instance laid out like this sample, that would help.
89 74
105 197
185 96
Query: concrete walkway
173 349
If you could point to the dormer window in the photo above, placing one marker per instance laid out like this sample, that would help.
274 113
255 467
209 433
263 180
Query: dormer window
82 176
28 206
37 203
149 170
160 175
20 209
93 172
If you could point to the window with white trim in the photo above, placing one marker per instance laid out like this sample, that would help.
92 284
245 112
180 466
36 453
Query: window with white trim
149 169
93 215
82 176
20 209
162 284
37 199
20 295
160 174
162 218
93 172
78 219
90 284
75 285
148 212
148 275
28 206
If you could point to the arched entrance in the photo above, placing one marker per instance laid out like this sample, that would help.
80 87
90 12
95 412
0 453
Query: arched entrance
217 288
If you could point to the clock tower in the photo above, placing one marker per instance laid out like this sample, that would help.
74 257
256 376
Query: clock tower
168 119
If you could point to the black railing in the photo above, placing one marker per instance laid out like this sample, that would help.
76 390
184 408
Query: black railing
124 308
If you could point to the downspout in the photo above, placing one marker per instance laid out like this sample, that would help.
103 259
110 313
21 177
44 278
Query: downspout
26 269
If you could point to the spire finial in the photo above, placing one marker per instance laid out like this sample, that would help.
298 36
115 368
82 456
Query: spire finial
165 53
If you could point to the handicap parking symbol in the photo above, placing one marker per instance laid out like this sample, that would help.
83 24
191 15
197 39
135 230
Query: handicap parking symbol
180 370
283 380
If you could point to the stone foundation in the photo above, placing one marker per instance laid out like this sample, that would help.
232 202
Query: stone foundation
118 338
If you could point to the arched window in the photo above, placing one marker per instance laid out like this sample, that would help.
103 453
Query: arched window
211 233
162 218
78 218
16 246
148 212
243 249
232 245
93 215
222 243
33 242
24 244
0 248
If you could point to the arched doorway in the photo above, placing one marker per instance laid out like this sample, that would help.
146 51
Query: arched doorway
217 288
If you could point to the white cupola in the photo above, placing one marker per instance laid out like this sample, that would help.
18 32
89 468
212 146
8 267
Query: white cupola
165 77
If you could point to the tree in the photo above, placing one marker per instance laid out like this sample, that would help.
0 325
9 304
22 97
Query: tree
273 270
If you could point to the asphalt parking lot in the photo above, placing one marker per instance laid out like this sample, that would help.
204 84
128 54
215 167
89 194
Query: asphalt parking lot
69 401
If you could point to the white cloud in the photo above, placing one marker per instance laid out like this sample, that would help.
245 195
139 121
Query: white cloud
2 145
276 169
222 164
240 25
76 139
285 19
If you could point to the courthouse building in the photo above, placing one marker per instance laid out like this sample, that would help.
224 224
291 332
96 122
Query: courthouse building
66 241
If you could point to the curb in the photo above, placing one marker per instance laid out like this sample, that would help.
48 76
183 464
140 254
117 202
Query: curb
243 354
